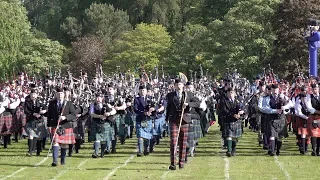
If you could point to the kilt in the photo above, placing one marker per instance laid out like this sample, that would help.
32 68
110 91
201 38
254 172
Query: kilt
197 126
302 126
107 132
158 126
129 117
313 131
233 130
66 138
5 123
191 134
37 129
120 124
264 124
144 132
277 128
18 120
79 130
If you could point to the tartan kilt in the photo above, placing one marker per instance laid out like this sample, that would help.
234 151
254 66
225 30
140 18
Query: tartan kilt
66 138
37 129
79 130
233 130
313 132
144 132
197 126
264 124
120 124
106 134
302 126
18 120
158 126
129 119
5 123
277 128
191 134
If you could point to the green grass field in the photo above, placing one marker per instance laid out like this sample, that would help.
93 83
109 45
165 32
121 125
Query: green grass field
251 162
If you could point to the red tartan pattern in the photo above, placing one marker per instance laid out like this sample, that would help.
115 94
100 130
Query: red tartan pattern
67 138
5 124
301 129
183 137
313 132
18 121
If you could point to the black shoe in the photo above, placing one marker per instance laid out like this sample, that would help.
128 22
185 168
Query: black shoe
172 167
122 142
113 151
139 155
181 166
278 153
151 150
70 154
106 152
94 155
271 153
313 153
53 164
233 153
302 152
146 153
228 154
265 147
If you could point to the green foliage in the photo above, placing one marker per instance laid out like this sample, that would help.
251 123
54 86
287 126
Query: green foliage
244 40
105 20
143 47
39 54
188 50
291 49
13 26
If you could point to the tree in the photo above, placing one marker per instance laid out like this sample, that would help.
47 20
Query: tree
143 47
244 40
291 49
87 51
105 20
14 25
188 50
38 54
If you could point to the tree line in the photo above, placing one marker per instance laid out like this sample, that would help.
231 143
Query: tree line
40 36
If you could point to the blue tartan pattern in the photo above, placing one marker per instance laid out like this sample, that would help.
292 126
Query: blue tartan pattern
191 134
129 118
146 132
198 131
106 134
158 126
120 124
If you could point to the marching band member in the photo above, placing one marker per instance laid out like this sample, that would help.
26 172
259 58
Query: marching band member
60 115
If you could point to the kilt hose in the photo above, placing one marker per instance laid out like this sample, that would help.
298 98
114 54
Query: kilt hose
233 129
314 126
182 142
277 128
36 128
102 132
5 123
66 138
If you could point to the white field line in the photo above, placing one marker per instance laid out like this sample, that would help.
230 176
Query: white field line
22 169
124 164
82 163
282 168
14 173
226 168
164 175
66 170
